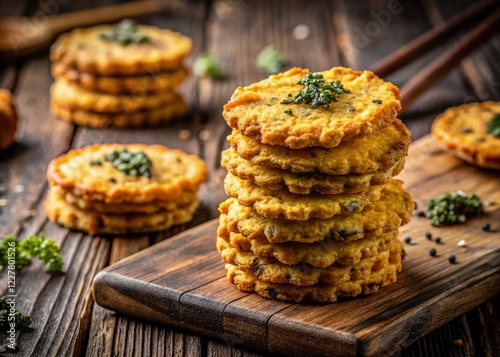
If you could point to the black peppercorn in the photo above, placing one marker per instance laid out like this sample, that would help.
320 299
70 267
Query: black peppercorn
432 252
452 258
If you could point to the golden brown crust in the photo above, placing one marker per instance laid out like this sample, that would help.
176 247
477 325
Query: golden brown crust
273 204
304 183
256 110
83 50
59 211
131 84
8 119
173 173
389 213
375 152
462 130
124 120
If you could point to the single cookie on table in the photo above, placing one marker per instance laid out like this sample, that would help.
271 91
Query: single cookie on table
71 96
391 211
131 84
258 112
472 132
8 119
122 49
305 183
154 117
321 292
273 204
72 217
303 274
90 173
371 153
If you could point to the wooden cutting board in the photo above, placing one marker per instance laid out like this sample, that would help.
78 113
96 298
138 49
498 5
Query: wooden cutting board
181 281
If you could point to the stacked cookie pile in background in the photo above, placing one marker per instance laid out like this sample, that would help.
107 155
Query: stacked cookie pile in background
123 75
314 211
120 189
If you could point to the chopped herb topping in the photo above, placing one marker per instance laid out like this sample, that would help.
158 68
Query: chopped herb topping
493 126
288 111
204 66
453 208
270 60
95 162
125 32
130 163
316 92
23 321
377 101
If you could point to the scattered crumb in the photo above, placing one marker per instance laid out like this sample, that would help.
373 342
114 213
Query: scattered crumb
461 243
458 342
3 202
301 32
204 135
184 134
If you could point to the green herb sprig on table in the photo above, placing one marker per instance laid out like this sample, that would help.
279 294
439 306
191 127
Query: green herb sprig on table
493 126
21 252
129 163
270 60
125 32
23 321
453 208
316 92
205 66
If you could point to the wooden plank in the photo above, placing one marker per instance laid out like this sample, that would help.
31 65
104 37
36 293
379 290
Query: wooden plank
430 291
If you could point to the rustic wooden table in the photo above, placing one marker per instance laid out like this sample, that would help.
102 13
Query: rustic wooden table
66 320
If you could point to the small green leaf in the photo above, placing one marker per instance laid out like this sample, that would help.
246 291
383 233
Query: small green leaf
493 125
204 66
270 60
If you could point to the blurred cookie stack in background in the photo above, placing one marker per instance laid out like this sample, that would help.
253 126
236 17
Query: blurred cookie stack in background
123 75
314 211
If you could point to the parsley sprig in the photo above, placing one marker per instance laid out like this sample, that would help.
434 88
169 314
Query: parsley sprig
130 163
493 126
23 321
125 32
453 208
270 60
316 92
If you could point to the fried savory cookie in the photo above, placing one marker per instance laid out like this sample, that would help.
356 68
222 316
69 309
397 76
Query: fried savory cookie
88 50
58 210
390 212
154 117
273 204
86 174
73 97
257 110
368 154
8 119
303 274
321 292
318 254
305 183
472 132
136 85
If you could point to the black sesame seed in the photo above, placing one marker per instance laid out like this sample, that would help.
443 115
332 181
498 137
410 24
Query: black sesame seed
428 235
486 227
407 239
432 252
452 258
437 240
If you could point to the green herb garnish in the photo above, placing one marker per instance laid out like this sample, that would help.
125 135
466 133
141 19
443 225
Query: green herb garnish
493 126
95 162
270 60
23 321
316 92
19 253
204 66
130 163
377 101
288 111
125 32
453 208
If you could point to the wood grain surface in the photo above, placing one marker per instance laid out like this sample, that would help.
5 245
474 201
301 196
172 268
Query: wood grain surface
181 282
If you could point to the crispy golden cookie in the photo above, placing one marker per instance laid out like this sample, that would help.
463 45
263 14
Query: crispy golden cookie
321 292
83 50
131 84
368 154
305 183
123 120
389 213
59 211
181 202
256 110
318 254
173 173
462 130
8 119
303 274
73 97
273 204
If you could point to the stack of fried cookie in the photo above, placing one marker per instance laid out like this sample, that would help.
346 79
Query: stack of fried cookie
120 189
123 75
314 212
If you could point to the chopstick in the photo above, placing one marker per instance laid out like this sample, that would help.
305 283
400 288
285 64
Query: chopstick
438 68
